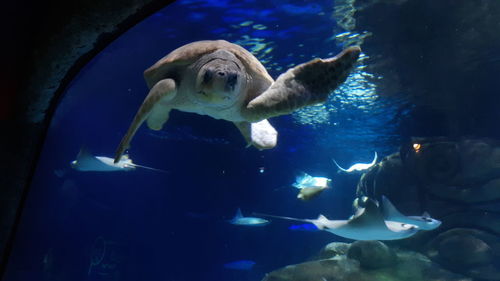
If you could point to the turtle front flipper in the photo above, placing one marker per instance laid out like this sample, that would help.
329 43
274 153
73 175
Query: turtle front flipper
261 134
154 108
306 84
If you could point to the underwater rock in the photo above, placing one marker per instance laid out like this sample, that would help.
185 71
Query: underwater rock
390 178
331 270
333 249
467 251
467 170
372 254
478 219
410 266
449 178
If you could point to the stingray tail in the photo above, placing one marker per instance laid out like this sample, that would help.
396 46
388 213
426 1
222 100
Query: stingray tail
338 166
149 168
319 222
282 217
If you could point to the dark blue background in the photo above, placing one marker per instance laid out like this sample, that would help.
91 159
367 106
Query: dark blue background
174 226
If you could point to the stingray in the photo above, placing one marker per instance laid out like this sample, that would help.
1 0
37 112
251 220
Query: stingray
86 162
367 224
424 222
358 167
239 219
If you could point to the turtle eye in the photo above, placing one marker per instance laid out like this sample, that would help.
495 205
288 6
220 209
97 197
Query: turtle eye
207 77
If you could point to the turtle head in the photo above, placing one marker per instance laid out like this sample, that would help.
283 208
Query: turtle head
220 79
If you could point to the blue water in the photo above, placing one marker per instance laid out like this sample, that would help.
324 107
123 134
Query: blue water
144 225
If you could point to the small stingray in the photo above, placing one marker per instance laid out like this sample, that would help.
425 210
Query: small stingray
86 162
367 224
239 219
358 167
424 222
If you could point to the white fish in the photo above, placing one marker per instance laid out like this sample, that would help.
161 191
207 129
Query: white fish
309 193
239 219
305 180
367 224
358 167
86 162
424 222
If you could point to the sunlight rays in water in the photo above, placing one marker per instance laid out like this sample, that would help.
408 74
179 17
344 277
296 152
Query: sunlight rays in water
354 115
358 93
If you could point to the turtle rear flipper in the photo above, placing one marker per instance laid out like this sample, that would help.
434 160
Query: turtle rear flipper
261 134
151 109
306 84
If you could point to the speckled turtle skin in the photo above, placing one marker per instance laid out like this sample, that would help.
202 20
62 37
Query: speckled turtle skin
225 81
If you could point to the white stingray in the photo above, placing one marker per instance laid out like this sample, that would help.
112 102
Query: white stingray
424 222
367 224
86 162
358 167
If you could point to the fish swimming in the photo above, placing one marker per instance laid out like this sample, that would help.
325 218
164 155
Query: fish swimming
424 222
240 265
310 187
308 193
305 180
358 167
239 219
367 224
86 162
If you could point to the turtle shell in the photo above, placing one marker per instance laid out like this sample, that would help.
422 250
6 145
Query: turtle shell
168 66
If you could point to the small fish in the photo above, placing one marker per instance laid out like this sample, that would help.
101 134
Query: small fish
240 265
86 162
358 167
310 187
239 219
303 227
304 180
308 193
424 222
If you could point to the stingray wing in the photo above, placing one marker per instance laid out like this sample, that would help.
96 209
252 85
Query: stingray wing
368 216
390 212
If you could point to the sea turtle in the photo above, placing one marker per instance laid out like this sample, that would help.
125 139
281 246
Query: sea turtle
225 81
